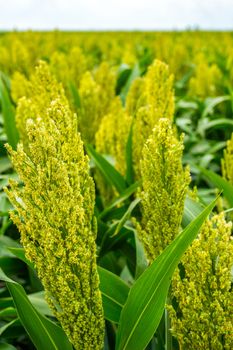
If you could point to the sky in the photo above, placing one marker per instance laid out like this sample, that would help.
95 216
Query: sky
116 14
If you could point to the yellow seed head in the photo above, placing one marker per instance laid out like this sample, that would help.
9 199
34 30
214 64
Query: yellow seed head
54 211
164 186
202 289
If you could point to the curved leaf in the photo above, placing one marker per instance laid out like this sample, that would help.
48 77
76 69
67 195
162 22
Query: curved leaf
126 215
8 115
112 176
219 123
114 294
212 102
191 210
124 195
144 307
135 73
220 183
5 346
44 333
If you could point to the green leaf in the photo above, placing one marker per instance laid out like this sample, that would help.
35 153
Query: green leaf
116 213
126 215
7 260
8 312
111 241
8 325
114 294
44 333
112 176
144 307
124 195
6 302
8 115
5 205
218 123
134 74
5 346
5 164
37 299
123 76
141 262
212 102
183 104
220 183
181 84
5 242
20 254
75 95
40 304
191 210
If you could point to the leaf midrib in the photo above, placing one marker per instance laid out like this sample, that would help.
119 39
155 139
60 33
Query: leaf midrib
35 313
142 313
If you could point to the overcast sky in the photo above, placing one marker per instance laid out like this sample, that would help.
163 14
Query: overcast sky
116 14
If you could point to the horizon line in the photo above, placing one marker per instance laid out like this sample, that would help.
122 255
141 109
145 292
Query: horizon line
186 29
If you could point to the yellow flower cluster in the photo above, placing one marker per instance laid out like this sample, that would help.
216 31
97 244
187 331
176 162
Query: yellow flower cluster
36 95
133 96
113 133
21 51
156 100
111 139
68 67
19 86
164 186
149 99
15 57
206 80
96 93
203 316
54 213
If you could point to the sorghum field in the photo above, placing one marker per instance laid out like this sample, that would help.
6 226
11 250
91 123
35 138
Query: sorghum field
116 190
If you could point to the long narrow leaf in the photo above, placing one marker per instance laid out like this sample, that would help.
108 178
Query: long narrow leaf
5 346
124 195
9 325
37 300
123 75
20 254
40 304
144 307
75 95
111 241
221 184
8 115
114 294
219 123
43 333
133 75
212 102
126 215
141 262
112 176
191 210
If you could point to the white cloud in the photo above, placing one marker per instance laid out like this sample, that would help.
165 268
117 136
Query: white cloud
116 14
